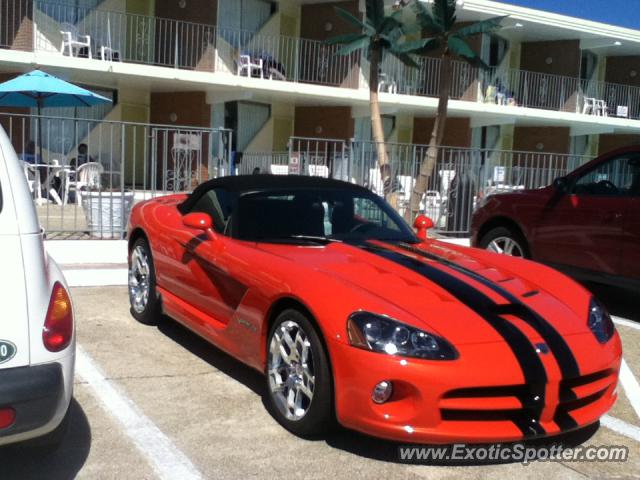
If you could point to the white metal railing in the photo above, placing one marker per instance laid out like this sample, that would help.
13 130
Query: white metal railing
85 174
118 36
15 18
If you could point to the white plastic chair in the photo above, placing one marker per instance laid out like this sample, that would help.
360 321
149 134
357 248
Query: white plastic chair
72 41
247 67
32 174
88 175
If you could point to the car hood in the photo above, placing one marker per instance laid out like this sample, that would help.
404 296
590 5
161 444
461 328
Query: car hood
446 290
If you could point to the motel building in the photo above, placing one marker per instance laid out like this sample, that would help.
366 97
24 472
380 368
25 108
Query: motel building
231 85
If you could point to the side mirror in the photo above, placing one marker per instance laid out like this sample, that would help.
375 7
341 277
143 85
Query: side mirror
561 184
422 224
199 221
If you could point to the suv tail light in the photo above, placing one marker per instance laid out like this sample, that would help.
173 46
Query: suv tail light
7 417
58 326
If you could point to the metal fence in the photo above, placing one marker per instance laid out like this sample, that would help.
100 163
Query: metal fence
85 175
126 37
15 24
460 180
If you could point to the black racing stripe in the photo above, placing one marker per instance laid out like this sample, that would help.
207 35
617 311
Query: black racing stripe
526 355
558 346
564 420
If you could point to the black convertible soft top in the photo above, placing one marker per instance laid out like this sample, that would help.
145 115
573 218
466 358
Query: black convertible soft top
256 183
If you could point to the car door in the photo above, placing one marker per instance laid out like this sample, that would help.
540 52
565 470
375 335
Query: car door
210 287
630 246
583 227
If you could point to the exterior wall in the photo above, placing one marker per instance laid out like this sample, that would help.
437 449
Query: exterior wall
191 109
16 24
196 11
542 139
565 57
315 19
457 132
612 142
555 58
621 70
324 122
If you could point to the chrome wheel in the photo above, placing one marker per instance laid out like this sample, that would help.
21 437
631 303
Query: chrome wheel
291 370
139 279
506 246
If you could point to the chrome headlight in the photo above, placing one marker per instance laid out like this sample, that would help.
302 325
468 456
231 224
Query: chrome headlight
382 334
600 322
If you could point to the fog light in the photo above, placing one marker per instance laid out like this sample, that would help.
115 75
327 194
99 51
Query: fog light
382 392
7 417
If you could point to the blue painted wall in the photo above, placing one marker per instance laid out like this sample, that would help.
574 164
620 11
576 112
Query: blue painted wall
623 13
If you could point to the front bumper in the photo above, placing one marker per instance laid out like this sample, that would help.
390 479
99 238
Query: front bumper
35 393
475 399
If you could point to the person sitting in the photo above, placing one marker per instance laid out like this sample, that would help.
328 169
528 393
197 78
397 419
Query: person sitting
83 156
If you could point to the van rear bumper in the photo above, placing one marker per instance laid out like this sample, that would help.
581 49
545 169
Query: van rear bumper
34 392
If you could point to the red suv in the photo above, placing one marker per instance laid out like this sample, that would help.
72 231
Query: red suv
587 223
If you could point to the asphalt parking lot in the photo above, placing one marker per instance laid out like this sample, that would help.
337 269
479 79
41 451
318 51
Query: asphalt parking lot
158 402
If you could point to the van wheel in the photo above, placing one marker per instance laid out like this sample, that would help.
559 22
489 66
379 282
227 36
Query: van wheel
143 298
506 241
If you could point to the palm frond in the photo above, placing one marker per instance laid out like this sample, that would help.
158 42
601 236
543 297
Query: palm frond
374 11
353 20
348 49
486 26
444 13
406 59
425 20
458 46
343 39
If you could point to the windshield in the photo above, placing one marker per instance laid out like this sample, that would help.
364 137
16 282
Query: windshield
317 215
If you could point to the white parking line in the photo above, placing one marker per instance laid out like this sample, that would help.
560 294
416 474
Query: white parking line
621 427
626 323
631 386
164 457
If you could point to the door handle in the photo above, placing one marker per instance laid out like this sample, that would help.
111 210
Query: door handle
612 216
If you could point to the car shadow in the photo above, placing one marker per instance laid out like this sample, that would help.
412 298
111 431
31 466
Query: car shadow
338 437
213 356
389 451
619 301
26 461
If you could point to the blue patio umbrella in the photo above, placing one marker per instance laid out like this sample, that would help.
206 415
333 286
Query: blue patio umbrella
39 89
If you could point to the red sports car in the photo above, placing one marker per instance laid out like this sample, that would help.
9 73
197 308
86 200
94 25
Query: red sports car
321 286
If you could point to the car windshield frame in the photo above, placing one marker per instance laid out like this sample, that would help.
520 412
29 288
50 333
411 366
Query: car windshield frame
403 232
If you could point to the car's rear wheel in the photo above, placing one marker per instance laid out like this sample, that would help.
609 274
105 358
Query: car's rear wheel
505 241
143 298
299 382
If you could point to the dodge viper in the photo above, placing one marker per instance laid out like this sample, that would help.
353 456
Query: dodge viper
353 316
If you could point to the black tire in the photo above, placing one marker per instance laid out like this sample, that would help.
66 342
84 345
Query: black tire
319 417
504 232
151 314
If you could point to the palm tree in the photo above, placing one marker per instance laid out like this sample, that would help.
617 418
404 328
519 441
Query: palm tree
377 35
440 24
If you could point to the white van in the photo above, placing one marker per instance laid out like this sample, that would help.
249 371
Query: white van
37 338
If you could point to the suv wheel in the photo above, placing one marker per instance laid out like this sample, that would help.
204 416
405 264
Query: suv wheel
505 241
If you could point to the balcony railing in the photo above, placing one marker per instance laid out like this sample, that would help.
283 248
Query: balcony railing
125 37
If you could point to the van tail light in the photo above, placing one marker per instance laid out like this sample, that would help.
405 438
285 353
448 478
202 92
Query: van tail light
7 417
58 326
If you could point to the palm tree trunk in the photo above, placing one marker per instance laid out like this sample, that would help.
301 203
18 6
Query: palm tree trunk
376 127
429 162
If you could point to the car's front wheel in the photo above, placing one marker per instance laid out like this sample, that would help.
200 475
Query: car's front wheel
143 298
299 383
505 241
